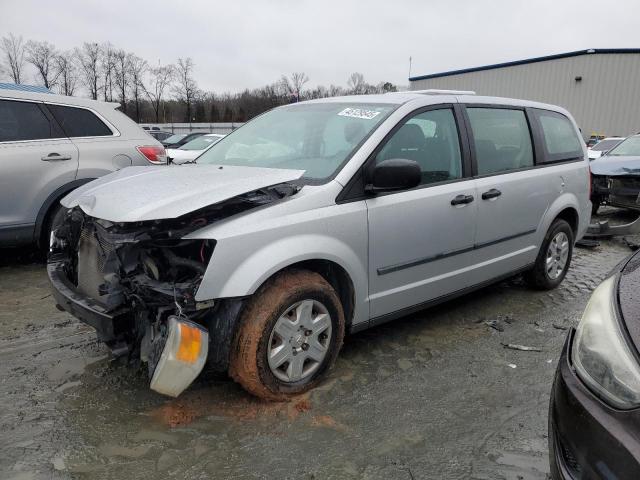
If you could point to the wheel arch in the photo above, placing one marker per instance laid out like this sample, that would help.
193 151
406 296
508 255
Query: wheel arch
570 215
566 207
331 258
52 200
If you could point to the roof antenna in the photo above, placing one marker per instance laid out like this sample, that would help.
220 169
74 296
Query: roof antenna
409 66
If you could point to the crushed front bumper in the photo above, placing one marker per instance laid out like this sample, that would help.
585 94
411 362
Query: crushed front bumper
108 324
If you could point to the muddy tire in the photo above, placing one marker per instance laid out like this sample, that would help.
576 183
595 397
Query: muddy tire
595 205
554 257
289 336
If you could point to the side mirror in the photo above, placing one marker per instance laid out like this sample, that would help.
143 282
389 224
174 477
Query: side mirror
394 174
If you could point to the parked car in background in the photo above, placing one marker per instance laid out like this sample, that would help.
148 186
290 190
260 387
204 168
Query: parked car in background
594 414
190 150
594 139
603 146
160 135
178 139
52 144
316 219
616 176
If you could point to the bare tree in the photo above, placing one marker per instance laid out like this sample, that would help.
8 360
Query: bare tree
122 75
108 65
186 89
89 62
13 49
356 84
293 85
42 55
137 69
68 74
160 78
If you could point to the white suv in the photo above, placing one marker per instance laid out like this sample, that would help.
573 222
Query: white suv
317 219
52 144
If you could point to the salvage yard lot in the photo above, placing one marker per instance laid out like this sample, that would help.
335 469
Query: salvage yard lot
433 395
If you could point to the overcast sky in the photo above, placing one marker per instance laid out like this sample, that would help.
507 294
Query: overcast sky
242 44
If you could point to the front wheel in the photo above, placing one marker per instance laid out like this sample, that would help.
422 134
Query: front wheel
554 257
289 336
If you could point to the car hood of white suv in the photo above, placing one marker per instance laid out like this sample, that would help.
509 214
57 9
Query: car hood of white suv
137 194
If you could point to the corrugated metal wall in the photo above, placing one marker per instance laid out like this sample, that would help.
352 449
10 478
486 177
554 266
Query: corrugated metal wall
606 101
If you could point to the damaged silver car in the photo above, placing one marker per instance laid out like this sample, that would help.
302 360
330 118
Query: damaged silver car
314 220
616 176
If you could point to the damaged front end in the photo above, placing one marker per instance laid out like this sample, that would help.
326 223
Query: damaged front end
136 284
616 182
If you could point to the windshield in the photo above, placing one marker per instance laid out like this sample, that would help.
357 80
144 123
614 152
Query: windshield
316 137
200 143
605 145
175 138
627 148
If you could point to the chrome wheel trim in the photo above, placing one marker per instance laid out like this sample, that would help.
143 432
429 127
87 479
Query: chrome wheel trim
299 341
557 255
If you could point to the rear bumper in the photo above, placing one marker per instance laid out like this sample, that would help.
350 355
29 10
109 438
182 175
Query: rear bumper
108 324
587 438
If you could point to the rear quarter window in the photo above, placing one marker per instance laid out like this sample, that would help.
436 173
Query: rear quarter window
560 139
79 122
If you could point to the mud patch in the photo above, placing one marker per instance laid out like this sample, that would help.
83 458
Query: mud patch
192 406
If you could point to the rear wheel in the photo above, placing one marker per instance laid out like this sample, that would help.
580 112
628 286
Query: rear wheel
554 257
289 336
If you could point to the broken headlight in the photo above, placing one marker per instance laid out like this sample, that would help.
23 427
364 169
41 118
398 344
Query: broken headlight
601 354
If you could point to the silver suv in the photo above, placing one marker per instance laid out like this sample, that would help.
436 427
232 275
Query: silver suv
317 219
51 144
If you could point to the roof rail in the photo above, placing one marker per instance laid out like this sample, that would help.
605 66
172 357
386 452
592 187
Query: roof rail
434 91
24 88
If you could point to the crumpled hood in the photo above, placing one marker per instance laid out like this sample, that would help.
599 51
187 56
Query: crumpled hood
137 194
615 166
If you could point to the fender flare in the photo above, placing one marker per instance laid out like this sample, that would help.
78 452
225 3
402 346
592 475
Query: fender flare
53 198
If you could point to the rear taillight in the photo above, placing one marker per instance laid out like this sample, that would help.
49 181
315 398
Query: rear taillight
590 182
156 155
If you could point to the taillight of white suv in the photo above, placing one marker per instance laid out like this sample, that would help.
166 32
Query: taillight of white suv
154 154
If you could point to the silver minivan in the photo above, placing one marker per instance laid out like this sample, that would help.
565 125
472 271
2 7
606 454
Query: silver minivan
51 144
317 219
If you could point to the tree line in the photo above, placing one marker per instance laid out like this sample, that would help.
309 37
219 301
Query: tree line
154 94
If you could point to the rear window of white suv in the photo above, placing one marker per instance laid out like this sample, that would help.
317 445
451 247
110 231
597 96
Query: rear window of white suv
79 122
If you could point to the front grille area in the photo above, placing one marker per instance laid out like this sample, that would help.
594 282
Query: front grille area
625 191
569 458
92 256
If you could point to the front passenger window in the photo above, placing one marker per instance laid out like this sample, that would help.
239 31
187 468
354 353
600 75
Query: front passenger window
502 139
430 139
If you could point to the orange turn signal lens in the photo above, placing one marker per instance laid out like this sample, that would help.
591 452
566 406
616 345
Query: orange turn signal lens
190 344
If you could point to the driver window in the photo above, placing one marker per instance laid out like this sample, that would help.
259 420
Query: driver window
430 139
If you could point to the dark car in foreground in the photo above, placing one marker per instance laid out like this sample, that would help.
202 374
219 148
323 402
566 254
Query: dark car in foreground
594 415
179 139
616 176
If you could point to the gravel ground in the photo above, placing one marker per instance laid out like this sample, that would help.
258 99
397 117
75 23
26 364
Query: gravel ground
433 395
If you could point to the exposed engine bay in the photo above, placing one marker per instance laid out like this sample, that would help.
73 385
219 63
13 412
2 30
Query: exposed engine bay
136 283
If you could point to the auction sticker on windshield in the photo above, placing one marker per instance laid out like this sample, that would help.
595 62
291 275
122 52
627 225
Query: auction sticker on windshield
359 113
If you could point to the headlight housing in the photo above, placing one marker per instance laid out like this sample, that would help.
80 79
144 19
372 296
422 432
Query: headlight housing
601 354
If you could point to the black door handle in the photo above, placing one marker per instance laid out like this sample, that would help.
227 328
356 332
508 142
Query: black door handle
462 199
493 193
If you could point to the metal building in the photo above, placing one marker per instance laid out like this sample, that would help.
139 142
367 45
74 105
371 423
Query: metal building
600 87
